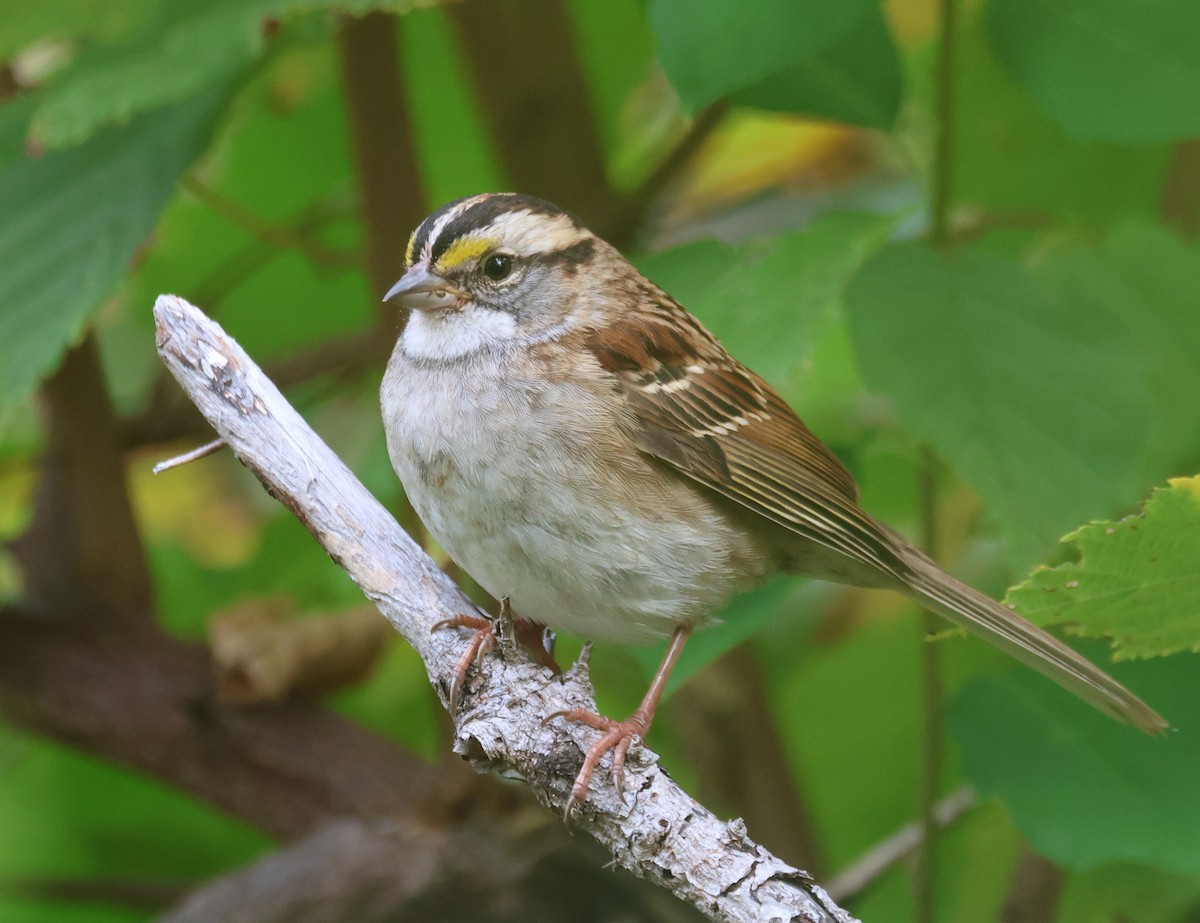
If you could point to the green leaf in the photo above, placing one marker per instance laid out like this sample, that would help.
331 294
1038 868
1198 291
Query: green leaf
14 117
26 23
714 48
765 299
1038 403
834 59
170 59
71 222
1083 789
1127 892
1010 156
1117 70
856 80
1135 583
282 299
166 54
1151 279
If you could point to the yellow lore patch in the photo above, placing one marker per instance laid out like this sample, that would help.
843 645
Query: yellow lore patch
463 249
408 252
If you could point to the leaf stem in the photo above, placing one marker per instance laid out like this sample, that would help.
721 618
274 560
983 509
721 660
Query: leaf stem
942 170
932 718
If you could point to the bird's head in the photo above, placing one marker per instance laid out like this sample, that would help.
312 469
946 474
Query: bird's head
491 269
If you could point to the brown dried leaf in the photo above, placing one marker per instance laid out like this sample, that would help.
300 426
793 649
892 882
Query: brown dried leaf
261 653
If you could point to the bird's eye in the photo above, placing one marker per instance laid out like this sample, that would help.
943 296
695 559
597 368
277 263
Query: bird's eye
497 266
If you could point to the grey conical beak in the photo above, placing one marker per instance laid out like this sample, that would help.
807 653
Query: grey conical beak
421 290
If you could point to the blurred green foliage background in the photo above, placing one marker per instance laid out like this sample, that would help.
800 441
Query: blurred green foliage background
960 237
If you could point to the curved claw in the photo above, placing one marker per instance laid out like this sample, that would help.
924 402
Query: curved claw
618 765
617 736
483 641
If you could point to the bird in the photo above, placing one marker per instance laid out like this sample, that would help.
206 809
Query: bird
591 455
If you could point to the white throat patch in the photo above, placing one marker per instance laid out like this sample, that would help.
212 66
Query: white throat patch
452 334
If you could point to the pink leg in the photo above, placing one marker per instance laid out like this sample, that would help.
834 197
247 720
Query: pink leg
618 735
483 642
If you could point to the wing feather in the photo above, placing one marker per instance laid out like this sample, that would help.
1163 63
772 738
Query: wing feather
699 410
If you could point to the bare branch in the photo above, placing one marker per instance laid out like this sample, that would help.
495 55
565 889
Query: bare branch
535 101
347 870
901 844
386 870
728 729
662 834
168 415
186 458
83 547
132 695
262 653
676 159
147 895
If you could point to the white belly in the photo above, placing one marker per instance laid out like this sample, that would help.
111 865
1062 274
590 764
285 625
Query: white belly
511 489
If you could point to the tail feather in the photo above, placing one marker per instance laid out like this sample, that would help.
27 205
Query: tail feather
933 588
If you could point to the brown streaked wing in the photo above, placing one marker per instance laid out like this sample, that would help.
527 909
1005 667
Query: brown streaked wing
711 418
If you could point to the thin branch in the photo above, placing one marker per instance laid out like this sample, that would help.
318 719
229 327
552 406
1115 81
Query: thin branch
127 893
941 190
347 870
275 235
662 834
304 225
10 86
677 158
130 694
932 719
262 653
186 458
390 870
868 868
942 173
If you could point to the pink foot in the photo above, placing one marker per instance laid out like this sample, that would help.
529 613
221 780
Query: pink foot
483 642
617 736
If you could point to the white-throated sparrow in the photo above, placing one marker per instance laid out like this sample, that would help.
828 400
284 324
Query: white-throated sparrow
581 445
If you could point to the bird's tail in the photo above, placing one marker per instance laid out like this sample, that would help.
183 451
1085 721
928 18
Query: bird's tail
937 591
